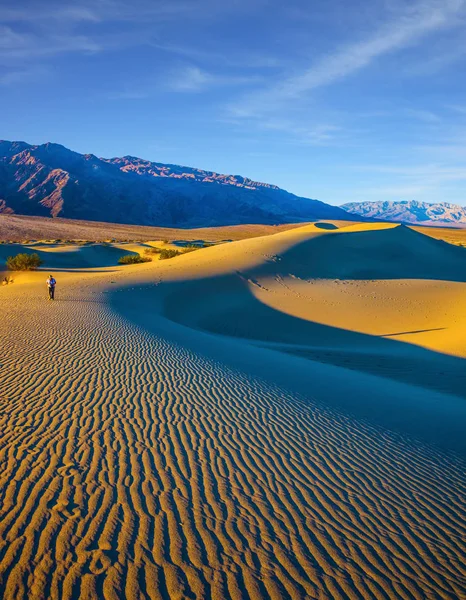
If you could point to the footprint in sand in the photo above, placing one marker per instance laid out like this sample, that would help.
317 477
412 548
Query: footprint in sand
68 470
28 450
96 561
67 509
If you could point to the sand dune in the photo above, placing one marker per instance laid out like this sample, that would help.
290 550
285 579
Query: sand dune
232 423
59 256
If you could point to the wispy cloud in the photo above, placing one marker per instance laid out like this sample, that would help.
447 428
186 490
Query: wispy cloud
24 76
430 182
418 114
190 79
128 95
91 11
16 46
412 25
245 60
422 175
457 108
314 134
194 79
52 11
426 116
33 32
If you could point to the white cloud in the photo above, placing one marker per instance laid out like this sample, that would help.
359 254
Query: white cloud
194 79
316 134
410 27
243 59
457 108
16 46
24 76
190 79
46 13
426 18
128 95
426 116
423 175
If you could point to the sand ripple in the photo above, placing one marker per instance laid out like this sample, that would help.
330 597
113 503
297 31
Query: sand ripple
133 468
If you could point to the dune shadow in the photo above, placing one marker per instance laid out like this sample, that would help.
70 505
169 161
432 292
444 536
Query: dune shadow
224 305
70 257
328 226
232 312
392 253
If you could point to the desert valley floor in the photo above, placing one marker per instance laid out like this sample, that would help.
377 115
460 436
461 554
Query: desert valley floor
275 417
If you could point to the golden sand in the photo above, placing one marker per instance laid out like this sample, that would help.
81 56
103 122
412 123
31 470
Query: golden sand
280 417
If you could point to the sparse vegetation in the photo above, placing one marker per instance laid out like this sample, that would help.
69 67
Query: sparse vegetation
191 247
133 259
152 250
164 253
7 280
23 262
168 253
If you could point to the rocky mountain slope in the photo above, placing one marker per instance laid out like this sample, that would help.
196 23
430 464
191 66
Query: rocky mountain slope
411 211
51 180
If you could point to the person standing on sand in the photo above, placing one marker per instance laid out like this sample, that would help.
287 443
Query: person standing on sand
51 283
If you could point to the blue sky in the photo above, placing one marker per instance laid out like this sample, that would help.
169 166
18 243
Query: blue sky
336 100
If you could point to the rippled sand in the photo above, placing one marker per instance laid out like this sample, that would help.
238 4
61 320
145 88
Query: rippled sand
277 418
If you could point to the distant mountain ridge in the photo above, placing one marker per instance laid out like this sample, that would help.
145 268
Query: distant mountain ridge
51 180
146 167
410 211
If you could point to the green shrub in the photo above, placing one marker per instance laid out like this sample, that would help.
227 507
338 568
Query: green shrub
132 259
23 262
168 253
152 250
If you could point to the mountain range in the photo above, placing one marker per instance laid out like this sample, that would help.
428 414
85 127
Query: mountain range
411 211
51 180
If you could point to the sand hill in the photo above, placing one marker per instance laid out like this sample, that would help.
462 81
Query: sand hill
278 417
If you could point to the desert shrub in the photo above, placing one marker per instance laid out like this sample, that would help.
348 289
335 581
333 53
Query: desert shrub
23 262
7 280
168 253
152 250
132 259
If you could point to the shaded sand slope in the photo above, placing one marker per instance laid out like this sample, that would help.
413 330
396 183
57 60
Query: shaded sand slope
58 256
141 458
360 252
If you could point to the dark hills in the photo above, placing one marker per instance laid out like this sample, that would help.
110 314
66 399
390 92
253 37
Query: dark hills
51 180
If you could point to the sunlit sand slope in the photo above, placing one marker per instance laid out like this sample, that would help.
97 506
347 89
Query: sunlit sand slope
144 458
